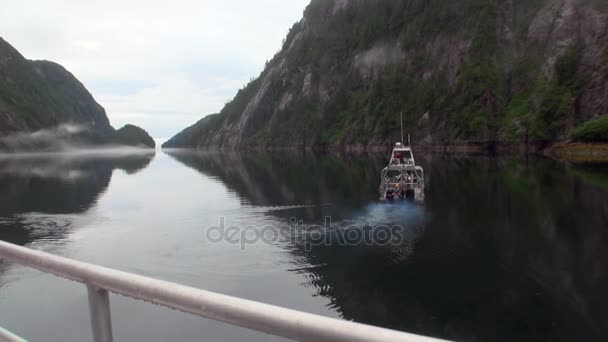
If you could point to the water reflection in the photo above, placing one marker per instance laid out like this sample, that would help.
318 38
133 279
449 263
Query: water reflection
502 250
43 193
336 182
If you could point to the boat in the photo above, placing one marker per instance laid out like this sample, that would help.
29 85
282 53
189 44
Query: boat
402 178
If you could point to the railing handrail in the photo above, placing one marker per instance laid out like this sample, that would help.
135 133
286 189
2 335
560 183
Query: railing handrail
7 336
266 318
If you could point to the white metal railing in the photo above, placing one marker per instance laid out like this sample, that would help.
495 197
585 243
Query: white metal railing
266 318
8 336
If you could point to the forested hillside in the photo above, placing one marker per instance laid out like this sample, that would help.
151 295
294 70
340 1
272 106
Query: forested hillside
463 72
42 95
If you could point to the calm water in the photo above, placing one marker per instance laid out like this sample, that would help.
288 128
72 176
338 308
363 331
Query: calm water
502 250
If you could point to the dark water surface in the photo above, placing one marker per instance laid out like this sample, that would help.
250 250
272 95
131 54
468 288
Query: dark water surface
501 250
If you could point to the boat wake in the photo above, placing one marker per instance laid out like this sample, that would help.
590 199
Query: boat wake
287 207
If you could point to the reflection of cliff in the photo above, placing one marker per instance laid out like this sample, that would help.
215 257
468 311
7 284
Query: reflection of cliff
48 186
512 250
279 179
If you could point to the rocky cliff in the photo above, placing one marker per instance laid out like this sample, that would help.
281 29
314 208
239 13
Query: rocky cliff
43 97
462 72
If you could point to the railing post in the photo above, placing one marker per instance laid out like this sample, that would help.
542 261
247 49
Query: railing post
101 320
266 318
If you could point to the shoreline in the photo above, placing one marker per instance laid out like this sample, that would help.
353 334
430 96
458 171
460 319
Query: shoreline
565 151
579 152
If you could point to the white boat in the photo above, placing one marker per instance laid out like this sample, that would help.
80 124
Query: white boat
402 178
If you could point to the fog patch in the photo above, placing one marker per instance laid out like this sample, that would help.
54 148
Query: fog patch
69 164
53 139
80 153
378 57
40 169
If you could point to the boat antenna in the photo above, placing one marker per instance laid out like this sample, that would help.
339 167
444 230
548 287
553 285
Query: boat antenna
402 127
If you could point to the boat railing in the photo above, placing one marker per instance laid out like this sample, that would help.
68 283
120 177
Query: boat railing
274 320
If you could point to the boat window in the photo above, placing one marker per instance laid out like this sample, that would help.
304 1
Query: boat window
398 156
402 155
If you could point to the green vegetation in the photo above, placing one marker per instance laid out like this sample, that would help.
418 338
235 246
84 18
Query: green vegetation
133 136
42 94
592 131
472 65
591 175
557 95
192 136
233 109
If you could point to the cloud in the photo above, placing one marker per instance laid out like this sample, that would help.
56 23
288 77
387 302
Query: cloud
171 105
153 60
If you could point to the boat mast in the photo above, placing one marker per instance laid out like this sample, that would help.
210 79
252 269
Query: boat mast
408 135
402 141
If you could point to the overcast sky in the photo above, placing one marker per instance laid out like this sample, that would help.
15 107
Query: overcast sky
161 65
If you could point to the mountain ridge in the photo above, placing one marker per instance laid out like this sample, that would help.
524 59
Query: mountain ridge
471 72
40 95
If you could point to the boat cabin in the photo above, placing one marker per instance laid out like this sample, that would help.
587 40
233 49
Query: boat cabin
402 155
402 178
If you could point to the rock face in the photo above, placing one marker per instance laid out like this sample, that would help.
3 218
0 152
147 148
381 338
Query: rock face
462 72
41 100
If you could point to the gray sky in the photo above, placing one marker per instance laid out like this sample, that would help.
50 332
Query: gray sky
161 65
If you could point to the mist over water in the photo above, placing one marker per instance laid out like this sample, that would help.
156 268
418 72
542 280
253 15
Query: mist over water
501 250
57 138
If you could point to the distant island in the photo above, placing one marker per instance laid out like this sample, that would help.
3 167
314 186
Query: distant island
41 100
470 75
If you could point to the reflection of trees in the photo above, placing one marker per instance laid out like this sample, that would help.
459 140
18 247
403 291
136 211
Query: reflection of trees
522 243
283 179
49 186
513 250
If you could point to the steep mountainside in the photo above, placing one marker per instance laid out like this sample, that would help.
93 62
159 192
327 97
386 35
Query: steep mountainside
469 71
190 136
37 95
